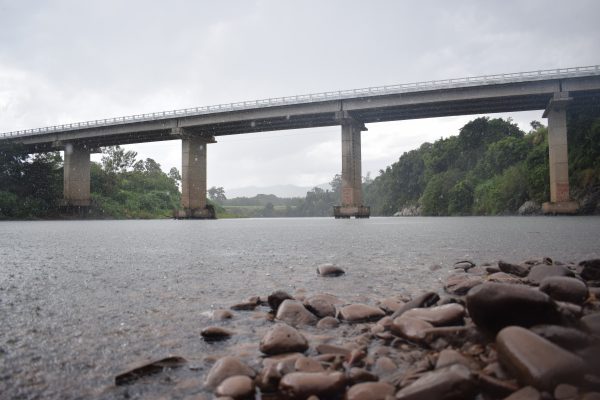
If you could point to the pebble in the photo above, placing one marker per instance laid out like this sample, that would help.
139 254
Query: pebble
514 269
562 288
447 314
221 315
540 272
591 323
329 270
410 328
224 368
236 387
563 336
454 382
493 306
360 313
525 393
276 298
590 270
357 375
565 392
215 333
449 357
300 385
282 338
306 364
425 300
322 305
370 391
536 361
390 305
328 323
460 284
502 277
294 313
464 265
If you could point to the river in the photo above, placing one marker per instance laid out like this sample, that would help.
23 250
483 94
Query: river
82 300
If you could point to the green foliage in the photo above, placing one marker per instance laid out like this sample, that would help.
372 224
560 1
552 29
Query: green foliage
502 194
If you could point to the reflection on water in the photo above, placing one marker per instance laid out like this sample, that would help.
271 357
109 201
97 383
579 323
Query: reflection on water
80 301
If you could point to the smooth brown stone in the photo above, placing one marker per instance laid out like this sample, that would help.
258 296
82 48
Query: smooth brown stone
563 336
329 270
360 313
282 338
384 366
306 364
591 323
540 272
325 348
370 391
526 393
460 284
501 277
427 299
214 333
514 269
294 313
328 323
454 382
390 305
276 298
492 306
236 387
221 315
464 265
447 314
562 288
244 306
224 368
322 305
449 357
536 361
565 392
300 385
410 328
357 375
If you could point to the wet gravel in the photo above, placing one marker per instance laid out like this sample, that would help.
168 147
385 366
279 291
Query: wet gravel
81 301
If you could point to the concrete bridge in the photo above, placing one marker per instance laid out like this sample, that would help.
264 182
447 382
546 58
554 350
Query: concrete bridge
554 91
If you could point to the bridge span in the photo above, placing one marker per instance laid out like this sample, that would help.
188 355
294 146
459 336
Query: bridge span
554 91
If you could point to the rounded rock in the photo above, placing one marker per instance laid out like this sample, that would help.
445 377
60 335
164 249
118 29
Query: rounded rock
294 313
215 333
542 271
447 314
328 323
410 328
276 298
329 270
224 368
360 313
301 385
567 289
370 391
236 387
281 339
322 305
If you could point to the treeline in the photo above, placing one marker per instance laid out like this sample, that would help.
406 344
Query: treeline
122 186
492 167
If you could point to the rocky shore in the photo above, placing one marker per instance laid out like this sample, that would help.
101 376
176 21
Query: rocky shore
528 330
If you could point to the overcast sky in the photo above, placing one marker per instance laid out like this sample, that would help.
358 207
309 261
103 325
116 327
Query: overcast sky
72 60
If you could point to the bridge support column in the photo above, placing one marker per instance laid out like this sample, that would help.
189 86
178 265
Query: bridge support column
76 176
560 199
193 182
351 196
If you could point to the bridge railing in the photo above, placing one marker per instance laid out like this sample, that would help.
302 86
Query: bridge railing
324 96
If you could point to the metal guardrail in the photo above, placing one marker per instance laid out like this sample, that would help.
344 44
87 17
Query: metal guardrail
324 96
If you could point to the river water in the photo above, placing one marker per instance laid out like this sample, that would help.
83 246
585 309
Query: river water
80 301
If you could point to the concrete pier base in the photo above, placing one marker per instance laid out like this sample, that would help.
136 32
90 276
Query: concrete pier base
351 170
560 198
193 182
76 178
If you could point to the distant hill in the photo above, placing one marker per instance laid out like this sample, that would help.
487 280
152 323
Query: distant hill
281 191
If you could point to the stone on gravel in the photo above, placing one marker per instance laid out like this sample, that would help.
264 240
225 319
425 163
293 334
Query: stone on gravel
591 323
224 368
282 338
370 391
215 333
449 357
390 305
464 265
410 328
447 314
306 364
294 313
236 387
221 315
328 323
536 361
357 375
563 336
503 277
301 385
329 270
540 272
454 382
360 313
322 305
515 269
460 284
591 270
276 298
425 300
492 306
562 288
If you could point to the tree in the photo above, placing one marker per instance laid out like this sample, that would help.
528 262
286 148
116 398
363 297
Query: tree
174 174
116 159
217 194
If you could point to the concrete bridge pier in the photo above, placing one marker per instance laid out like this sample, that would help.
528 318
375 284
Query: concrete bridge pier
351 196
76 179
560 198
193 182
